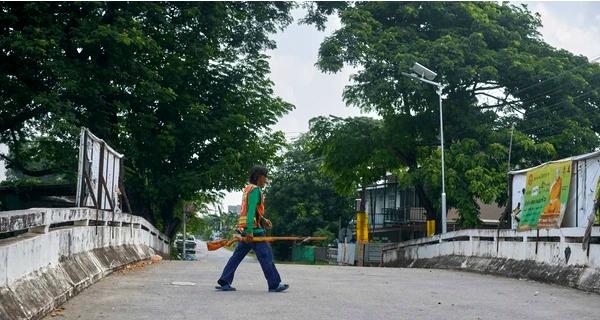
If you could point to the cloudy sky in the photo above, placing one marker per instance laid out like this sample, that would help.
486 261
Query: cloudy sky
574 26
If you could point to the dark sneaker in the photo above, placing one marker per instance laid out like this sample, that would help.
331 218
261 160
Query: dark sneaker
226 287
280 287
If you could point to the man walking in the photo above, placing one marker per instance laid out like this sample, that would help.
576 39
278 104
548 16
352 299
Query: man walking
253 223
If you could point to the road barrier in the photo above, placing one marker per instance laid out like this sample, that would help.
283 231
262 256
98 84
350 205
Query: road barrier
50 254
554 255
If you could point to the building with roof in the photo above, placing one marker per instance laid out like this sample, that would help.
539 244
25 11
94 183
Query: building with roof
395 213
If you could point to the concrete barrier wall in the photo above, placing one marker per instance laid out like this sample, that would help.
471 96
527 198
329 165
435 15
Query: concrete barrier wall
63 251
554 256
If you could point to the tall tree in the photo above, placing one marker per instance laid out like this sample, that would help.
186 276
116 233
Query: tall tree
181 88
301 201
497 71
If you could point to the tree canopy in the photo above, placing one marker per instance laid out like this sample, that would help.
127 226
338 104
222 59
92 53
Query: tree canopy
496 71
181 88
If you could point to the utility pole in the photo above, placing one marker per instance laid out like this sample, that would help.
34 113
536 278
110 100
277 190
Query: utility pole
512 131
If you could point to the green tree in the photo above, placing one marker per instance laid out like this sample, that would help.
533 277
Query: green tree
223 222
497 71
181 88
301 201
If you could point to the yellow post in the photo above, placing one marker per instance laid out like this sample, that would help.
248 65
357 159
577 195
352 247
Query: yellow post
362 227
362 234
430 228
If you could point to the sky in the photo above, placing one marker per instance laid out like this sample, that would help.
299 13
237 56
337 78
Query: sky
574 26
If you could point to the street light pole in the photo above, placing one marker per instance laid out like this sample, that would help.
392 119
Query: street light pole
444 227
423 74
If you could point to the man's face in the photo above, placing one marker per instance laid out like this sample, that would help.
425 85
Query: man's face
262 181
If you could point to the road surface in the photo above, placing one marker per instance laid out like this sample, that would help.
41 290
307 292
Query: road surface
322 292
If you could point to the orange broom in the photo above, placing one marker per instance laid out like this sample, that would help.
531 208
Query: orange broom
218 244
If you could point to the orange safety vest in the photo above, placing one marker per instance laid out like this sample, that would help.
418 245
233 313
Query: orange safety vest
260 209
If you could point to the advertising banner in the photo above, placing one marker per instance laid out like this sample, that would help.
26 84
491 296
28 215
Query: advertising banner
546 196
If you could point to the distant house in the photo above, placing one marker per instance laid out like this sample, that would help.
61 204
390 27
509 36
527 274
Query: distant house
395 213
489 214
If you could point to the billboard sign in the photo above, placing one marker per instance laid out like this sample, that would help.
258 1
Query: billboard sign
546 195
99 177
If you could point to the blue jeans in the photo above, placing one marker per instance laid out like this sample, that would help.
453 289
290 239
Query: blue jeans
264 254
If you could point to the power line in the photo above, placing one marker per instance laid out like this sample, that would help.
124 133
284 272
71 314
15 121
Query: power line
531 130
552 106
534 98
547 92
556 76
560 102
553 134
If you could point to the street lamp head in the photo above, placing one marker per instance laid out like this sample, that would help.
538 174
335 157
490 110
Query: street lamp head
423 71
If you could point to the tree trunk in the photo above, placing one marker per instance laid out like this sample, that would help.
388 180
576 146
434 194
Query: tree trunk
426 202
171 228
505 219
140 206
171 222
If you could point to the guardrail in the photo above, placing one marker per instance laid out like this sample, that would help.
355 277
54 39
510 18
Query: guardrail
41 220
36 238
550 246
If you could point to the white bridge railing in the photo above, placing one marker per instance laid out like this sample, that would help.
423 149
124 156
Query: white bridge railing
36 238
553 246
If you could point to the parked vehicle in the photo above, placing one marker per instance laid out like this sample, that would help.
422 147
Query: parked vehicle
190 246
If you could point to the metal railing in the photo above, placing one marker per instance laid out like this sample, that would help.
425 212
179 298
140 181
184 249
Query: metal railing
396 216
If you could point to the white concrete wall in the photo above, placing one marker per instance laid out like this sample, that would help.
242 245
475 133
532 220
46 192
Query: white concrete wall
43 246
509 244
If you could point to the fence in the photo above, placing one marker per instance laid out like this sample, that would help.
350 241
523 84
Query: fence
332 255
347 254
373 254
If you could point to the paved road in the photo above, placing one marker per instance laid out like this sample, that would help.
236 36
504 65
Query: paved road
323 292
